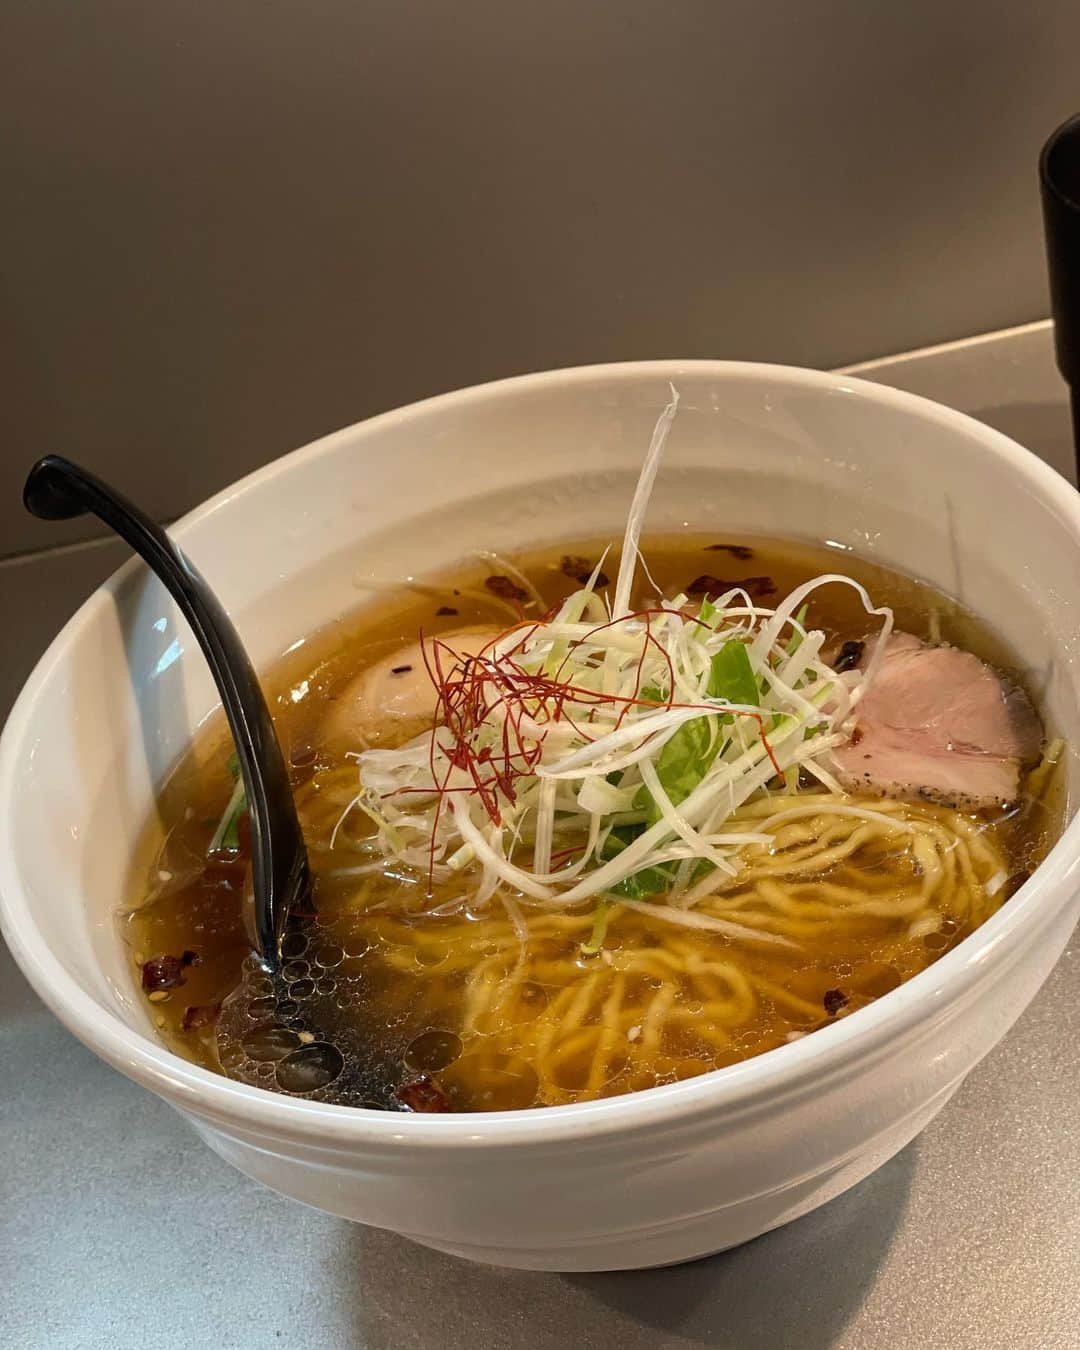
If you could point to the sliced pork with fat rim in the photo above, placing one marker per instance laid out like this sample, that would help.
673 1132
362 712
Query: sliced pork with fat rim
938 724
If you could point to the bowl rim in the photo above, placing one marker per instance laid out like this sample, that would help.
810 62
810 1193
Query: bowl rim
721 1092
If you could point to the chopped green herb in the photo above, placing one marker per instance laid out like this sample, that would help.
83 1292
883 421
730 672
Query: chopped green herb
599 930
639 885
732 677
797 637
688 755
227 834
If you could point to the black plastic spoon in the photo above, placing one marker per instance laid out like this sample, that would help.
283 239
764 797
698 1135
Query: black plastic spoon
283 1018
56 489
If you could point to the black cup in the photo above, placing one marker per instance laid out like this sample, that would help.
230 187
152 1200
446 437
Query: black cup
1059 177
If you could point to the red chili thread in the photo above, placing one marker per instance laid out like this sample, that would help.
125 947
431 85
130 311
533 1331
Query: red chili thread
474 687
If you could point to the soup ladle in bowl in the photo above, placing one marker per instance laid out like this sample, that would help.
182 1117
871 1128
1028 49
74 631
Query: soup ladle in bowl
274 1029
57 489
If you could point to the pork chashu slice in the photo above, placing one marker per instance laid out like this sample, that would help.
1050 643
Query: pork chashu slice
938 724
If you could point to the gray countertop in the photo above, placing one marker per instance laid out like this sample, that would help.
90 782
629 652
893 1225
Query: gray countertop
119 1229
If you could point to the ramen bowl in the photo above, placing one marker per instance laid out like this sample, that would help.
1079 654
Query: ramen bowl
645 1179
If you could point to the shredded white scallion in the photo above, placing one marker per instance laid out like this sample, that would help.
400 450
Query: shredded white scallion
602 751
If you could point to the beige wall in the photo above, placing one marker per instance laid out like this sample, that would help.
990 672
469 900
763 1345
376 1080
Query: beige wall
231 226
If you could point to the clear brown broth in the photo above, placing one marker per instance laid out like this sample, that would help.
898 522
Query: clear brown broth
414 1016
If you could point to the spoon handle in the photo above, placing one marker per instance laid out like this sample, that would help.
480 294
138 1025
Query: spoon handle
57 489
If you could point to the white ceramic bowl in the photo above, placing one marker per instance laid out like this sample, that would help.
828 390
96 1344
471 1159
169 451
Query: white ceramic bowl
663 1175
